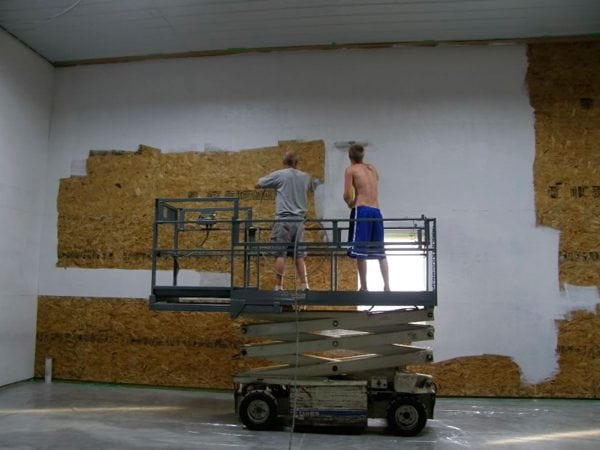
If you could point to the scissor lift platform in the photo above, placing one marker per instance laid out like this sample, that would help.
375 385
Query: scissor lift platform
325 366
239 301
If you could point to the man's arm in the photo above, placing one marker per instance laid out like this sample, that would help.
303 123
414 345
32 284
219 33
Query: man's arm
268 181
349 196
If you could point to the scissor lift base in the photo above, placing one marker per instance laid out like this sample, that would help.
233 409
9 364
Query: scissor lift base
337 369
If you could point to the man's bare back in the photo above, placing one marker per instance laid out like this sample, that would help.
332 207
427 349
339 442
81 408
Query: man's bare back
360 193
360 188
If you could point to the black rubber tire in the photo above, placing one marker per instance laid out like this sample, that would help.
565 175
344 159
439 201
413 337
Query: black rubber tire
406 416
258 410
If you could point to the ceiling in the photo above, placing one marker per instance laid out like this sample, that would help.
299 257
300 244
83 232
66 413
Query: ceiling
76 31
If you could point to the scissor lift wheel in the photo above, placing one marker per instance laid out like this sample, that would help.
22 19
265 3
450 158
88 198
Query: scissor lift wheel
406 416
258 410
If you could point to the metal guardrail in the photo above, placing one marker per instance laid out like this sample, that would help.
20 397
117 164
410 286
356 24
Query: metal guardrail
216 234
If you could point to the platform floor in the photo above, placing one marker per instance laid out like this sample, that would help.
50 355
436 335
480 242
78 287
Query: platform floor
64 416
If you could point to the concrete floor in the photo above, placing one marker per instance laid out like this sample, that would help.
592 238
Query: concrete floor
34 415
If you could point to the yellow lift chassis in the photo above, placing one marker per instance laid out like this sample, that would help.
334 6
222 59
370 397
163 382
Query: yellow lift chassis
327 367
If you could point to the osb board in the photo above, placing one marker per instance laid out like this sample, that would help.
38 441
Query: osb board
484 375
122 341
105 217
564 88
578 349
578 375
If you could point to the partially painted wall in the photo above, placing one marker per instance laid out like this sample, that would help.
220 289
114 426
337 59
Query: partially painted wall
25 105
452 132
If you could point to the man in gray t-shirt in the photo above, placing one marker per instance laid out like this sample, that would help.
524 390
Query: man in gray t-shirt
291 204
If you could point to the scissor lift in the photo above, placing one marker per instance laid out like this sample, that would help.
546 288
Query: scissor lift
326 367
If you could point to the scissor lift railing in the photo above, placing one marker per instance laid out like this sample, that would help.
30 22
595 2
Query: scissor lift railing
194 231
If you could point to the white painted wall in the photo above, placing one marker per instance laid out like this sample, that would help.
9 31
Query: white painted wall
25 106
450 129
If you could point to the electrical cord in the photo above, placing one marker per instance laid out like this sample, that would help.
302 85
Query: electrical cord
192 253
299 232
294 384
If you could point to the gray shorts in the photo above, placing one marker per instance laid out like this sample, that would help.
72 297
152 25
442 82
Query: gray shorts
288 233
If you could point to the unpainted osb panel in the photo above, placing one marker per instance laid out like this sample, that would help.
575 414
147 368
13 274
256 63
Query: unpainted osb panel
579 357
122 341
578 374
483 375
105 218
564 88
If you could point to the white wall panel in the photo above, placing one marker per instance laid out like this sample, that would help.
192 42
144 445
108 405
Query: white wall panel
25 106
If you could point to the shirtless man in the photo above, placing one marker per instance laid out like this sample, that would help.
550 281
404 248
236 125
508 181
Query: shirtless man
360 194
